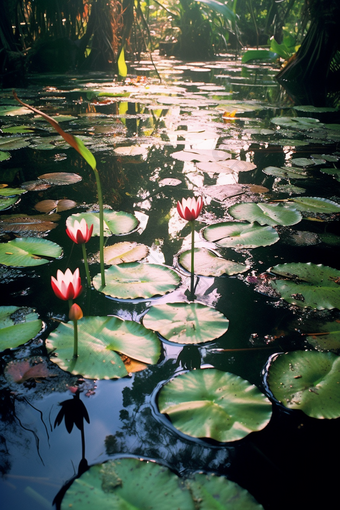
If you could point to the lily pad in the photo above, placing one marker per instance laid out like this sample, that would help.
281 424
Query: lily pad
228 166
286 172
115 222
100 341
308 381
308 285
47 206
202 155
233 234
209 403
266 214
10 192
186 323
316 205
218 493
326 337
137 280
207 263
60 178
7 202
13 143
17 326
130 484
19 371
334 172
4 156
29 251
307 162
19 223
299 123
125 252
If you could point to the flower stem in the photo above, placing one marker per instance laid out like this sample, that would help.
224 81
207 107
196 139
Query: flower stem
86 264
101 226
192 280
75 334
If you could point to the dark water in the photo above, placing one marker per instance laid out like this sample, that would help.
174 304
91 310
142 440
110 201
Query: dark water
289 464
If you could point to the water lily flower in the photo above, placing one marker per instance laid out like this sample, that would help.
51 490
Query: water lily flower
190 208
80 233
67 286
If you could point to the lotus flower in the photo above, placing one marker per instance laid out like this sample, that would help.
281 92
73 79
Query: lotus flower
80 233
189 209
67 286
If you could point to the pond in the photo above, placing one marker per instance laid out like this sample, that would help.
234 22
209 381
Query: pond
262 326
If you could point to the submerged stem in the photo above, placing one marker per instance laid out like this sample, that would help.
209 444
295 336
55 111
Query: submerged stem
86 264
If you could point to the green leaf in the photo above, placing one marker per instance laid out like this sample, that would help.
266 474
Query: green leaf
307 381
29 251
17 326
326 337
100 339
186 323
308 285
285 172
208 403
115 222
136 280
85 152
218 493
121 64
316 205
208 263
4 156
125 252
264 55
13 143
233 234
17 130
128 484
6 203
227 13
266 214
10 192
298 123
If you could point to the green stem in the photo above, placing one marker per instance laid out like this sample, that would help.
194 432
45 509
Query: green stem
192 225
75 333
86 264
101 226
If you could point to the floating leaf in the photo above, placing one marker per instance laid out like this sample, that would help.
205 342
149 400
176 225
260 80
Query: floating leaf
208 403
334 172
125 252
314 109
307 381
326 338
61 178
112 485
186 323
285 172
47 206
17 326
100 341
6 203
19 223
132 150
4 156
307 162
266 214
9 192
208 263
202 155
234 234
29 251
19 371
137 280
115 222
308 285
315 205
17 130
218 493
13 143
299 123
228 166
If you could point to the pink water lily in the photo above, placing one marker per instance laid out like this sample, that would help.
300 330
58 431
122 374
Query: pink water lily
67 286
190 208
80 232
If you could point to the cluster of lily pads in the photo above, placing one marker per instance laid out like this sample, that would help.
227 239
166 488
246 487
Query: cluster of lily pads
204 403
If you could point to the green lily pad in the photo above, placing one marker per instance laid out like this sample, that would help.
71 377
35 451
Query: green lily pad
7 202
29 251
4 156
17 326
232 234
125 252
129 484
314 109
208 403
186 323
334 172
17 130
299 123
286 172
208 263
9 192
307 162
326 337
315 205
115 222
13 143
308 285
266 214
308 381
218 493
100 341
137 280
